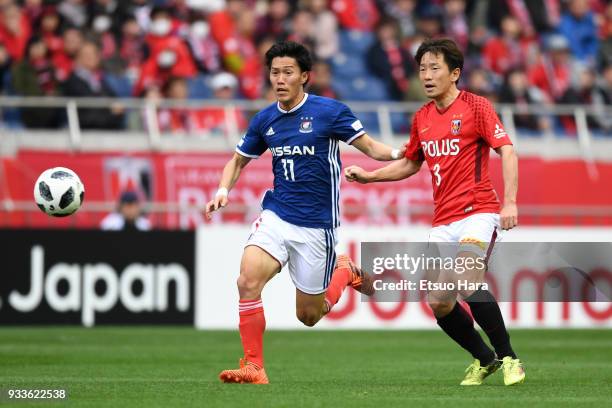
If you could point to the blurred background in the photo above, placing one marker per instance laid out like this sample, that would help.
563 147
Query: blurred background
146 100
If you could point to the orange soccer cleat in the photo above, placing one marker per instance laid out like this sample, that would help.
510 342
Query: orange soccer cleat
248 373
361 281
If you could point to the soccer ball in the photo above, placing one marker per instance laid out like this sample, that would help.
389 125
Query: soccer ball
59 192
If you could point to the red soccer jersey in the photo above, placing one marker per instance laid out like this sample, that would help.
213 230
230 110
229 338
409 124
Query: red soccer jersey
455 143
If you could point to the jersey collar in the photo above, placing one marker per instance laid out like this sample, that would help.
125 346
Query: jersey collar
443 111
296 107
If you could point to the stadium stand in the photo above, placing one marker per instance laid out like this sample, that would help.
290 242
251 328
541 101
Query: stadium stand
546 64
143 43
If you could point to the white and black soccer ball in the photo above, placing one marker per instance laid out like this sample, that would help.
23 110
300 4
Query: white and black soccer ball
59 192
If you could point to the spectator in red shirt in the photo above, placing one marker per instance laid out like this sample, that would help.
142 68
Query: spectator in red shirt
162 29
553 73
63 59
233 29
223 30
507 51
15 31
215 119
49 30
177 119
210 119
169 55
250 74
221 21
360 15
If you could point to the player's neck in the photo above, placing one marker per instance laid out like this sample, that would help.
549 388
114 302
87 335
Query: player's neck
287 106
445 100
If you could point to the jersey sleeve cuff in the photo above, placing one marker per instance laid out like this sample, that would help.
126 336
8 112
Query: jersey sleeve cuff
415 156
251 156
501 142
360 133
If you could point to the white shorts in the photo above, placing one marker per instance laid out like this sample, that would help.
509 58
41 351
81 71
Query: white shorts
478 232
310 252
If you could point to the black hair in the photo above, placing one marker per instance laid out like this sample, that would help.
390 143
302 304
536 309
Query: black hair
453 57
156 10
35 39
293 50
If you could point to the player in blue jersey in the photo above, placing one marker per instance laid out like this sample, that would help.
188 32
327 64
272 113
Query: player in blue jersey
297 226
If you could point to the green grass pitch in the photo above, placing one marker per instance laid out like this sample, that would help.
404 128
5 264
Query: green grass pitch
178 367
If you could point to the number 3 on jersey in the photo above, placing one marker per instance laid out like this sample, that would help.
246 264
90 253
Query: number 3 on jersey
436 172
290 175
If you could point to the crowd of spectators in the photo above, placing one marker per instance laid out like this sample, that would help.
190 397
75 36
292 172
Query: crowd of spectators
517 51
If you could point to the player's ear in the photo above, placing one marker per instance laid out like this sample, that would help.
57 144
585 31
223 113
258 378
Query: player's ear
305 77
455 75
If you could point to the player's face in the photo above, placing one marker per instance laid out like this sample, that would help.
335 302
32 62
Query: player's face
435 75
287 81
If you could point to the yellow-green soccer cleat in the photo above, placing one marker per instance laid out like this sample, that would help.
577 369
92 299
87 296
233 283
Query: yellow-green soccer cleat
514 372
475 373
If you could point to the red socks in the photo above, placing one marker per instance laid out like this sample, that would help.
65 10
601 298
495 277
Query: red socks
252 326
340 279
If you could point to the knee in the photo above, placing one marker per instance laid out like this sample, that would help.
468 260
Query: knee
248 287
309 316
441 308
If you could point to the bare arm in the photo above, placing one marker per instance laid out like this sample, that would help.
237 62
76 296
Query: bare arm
397 170
377 150
509 213
231 173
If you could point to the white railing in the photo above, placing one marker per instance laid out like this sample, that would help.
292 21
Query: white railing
382 111
149 137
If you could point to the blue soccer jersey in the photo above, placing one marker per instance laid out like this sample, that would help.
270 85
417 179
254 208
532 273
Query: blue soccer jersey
305 157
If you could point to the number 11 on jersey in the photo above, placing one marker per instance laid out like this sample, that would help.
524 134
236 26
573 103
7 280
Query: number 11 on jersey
291 175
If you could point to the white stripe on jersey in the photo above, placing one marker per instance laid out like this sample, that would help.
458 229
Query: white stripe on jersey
352 139
327 257
338 181
333 187
251 156
334 168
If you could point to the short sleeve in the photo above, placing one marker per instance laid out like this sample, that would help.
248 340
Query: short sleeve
414 151
489 126
347 127
252 143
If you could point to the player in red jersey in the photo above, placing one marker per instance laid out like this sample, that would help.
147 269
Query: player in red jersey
454 133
